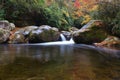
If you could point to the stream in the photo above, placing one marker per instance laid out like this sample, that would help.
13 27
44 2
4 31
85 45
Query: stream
58 62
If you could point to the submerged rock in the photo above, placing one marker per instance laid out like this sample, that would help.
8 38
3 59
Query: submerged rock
90 33
4 35
44 33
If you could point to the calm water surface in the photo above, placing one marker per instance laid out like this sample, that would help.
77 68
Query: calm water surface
58 62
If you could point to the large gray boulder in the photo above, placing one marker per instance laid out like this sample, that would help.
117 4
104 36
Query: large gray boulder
35 34
4 24
4 35
26 30
44 33
21 35
92 32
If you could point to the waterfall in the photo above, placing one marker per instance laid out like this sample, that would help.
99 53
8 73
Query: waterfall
71 41
62 37
63 42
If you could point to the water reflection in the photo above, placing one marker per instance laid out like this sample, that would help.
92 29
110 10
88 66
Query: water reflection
42 53
58 62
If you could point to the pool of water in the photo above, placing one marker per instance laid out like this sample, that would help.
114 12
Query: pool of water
58 62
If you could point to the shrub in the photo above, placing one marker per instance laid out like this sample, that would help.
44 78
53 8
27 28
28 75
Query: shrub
38 12
2 12
23 12
109 12
78 21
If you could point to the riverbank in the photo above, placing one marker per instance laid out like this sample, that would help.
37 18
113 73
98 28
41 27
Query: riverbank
92 33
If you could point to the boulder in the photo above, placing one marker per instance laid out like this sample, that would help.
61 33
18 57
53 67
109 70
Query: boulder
18 38
92 32
21 35
26 30
4 24
34 36
44 33
110 41
67 34
4 35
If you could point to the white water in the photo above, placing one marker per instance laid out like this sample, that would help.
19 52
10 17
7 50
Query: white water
58 42
62 37
63 42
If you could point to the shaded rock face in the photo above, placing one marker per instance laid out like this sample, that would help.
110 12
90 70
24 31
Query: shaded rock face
67 34
6 25
90 33
44 33
4 35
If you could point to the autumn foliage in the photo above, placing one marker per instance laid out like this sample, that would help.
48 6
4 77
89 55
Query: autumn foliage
83 8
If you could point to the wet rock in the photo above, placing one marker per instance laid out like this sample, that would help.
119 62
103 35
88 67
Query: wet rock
67 34
4 24
12 26
21 35
34 36
44 33
4 35
26 30
110 41
18 38
90 33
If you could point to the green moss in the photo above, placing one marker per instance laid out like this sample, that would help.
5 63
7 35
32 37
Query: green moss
92 36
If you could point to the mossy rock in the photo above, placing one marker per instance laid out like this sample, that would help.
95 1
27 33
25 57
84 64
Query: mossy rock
110 41
17 39
89 34
44 33
4 24
4 35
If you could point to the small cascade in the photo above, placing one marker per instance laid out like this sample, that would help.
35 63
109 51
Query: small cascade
62 42
71 41
62 37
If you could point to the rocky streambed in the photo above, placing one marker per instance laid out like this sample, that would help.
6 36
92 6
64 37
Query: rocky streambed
91 33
